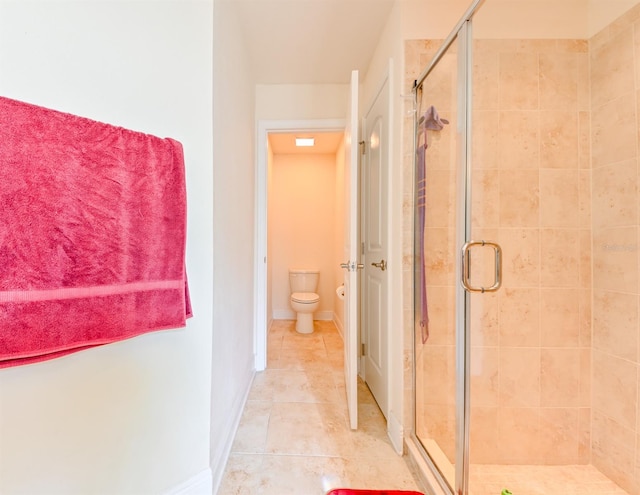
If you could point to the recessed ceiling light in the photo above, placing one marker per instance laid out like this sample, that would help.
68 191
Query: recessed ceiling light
305 141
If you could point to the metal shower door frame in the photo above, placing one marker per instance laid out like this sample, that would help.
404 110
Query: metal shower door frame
462 32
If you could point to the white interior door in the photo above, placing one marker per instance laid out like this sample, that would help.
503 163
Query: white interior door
350 264
376 279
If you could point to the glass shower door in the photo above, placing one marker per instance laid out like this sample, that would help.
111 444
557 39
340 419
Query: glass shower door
530 361
534 384
436 195
459 263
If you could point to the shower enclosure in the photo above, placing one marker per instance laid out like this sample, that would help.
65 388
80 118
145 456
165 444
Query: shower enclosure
526 337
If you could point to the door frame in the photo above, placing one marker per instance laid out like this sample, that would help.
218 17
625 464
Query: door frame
264 127
462 35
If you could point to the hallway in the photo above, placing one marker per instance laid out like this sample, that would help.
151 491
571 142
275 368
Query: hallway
294 436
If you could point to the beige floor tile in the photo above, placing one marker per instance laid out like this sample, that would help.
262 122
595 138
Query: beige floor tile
252 430
296 340
364 394
300 359
388 473
273 360
294 438
305 386
281 326
296 475
333 342
263 385
336 360
307 429
241 475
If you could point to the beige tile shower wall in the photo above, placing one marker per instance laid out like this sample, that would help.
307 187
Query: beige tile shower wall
531 341
615 76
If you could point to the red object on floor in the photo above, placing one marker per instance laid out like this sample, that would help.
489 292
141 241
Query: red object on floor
348 491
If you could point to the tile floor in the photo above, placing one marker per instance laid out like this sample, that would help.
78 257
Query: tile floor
541 480
294 436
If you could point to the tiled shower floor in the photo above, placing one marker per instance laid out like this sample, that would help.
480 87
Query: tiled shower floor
541 480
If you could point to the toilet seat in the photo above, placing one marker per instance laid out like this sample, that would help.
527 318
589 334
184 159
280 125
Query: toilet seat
305 297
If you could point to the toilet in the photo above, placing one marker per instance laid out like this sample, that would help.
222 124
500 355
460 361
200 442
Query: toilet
304 299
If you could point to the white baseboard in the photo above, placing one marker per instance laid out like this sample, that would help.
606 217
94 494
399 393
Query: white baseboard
395 432
219 462
339 326
323 315
284 314
288 314
200 484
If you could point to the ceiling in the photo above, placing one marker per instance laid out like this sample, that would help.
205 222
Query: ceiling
310 41
283 143
322 41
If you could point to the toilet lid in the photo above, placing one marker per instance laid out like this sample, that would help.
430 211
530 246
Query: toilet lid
305 297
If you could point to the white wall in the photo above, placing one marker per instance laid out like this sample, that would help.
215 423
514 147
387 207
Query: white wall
233 228
301 101
579 19
604 12
130 417
302 227
434 19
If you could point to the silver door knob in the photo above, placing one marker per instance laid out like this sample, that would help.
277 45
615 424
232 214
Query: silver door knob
382 265
352 266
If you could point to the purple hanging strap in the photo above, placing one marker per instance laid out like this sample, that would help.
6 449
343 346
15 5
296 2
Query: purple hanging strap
429 121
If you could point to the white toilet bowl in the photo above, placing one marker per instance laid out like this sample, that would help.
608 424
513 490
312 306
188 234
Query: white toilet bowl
304 304
304 300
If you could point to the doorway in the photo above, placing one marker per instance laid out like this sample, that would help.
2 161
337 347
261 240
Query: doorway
264 312
305 214
263 316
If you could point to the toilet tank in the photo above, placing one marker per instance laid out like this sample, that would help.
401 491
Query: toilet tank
302 280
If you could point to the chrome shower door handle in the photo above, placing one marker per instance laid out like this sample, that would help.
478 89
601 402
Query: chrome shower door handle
382 265
465 272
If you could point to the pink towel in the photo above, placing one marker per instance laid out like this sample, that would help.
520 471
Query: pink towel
92 234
